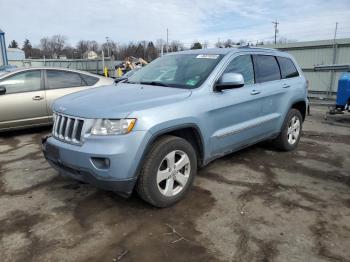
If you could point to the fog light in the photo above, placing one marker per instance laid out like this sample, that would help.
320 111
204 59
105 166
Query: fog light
101 162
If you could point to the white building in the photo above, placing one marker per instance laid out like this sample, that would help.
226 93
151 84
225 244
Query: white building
15 54
90 55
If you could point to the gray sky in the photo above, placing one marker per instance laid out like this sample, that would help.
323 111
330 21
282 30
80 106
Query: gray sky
200 20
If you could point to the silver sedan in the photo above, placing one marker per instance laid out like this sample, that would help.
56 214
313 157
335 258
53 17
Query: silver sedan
26 94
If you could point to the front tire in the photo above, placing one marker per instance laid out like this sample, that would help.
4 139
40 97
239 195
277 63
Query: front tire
290 134
168 171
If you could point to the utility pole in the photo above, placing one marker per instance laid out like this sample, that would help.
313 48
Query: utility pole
276 30
334 60
334 43
335 32
107 39
167 40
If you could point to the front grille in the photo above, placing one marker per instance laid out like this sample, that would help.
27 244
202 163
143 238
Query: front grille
67 128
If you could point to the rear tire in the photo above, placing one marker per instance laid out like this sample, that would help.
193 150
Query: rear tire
290 134
167 172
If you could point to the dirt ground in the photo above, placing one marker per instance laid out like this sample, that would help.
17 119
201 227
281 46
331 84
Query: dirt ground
254 205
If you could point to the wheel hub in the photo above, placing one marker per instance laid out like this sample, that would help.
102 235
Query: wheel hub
173 173
293 130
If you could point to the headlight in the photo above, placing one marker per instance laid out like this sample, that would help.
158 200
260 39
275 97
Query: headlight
112 126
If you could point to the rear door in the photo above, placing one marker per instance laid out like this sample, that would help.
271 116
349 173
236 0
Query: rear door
24 102
235 113
273 91
62 82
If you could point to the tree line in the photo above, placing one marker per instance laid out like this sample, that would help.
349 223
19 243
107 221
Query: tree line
57 46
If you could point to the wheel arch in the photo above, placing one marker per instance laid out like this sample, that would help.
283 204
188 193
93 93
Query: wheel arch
190 132
301 107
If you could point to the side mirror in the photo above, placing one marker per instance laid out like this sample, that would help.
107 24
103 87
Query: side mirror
2 90
229 81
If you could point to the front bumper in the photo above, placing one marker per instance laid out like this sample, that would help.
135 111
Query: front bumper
123 154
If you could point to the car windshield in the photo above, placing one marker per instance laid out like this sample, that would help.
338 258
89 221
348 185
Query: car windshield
177 70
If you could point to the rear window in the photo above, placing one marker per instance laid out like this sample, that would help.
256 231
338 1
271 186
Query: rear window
266 68
63 79
90 80
288 68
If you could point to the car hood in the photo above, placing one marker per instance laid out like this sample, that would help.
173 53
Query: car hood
117 101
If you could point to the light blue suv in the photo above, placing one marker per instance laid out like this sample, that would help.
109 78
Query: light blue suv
178 113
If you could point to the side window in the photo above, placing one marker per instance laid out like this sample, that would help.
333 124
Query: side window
22 82
89 80
63 79
242 64
266 68
288 68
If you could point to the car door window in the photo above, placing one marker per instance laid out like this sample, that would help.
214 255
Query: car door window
63 79
89 80
288 68
266 68
242 64
22 82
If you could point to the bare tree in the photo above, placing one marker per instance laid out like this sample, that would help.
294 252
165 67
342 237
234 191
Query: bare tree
176 46
242 42
45 47
93 46
285 40
229 43
86 45
160 43
219 44
53 46
57 43
81 47
109 48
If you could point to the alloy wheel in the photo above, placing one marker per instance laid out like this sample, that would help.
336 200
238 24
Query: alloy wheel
173 173
293 130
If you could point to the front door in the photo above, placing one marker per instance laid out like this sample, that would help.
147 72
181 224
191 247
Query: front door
23 103
235 113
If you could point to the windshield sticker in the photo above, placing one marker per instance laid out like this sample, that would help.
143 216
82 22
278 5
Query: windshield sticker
208 56
191 82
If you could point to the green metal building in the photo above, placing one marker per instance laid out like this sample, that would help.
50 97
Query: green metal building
316 53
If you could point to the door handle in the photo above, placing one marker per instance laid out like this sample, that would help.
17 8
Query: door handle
255 92
38 98
286 86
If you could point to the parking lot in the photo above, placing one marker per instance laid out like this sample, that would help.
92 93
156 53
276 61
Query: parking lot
254 205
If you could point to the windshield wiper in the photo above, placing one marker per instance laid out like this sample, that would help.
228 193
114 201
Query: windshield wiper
154 83
127 81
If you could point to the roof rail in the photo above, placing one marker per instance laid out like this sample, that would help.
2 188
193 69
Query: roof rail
257 47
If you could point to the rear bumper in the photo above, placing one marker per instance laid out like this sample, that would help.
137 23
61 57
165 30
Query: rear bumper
123 155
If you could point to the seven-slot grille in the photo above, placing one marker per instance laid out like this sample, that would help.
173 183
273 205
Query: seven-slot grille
68 128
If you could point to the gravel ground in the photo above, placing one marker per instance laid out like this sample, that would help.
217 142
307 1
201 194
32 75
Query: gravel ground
254 205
